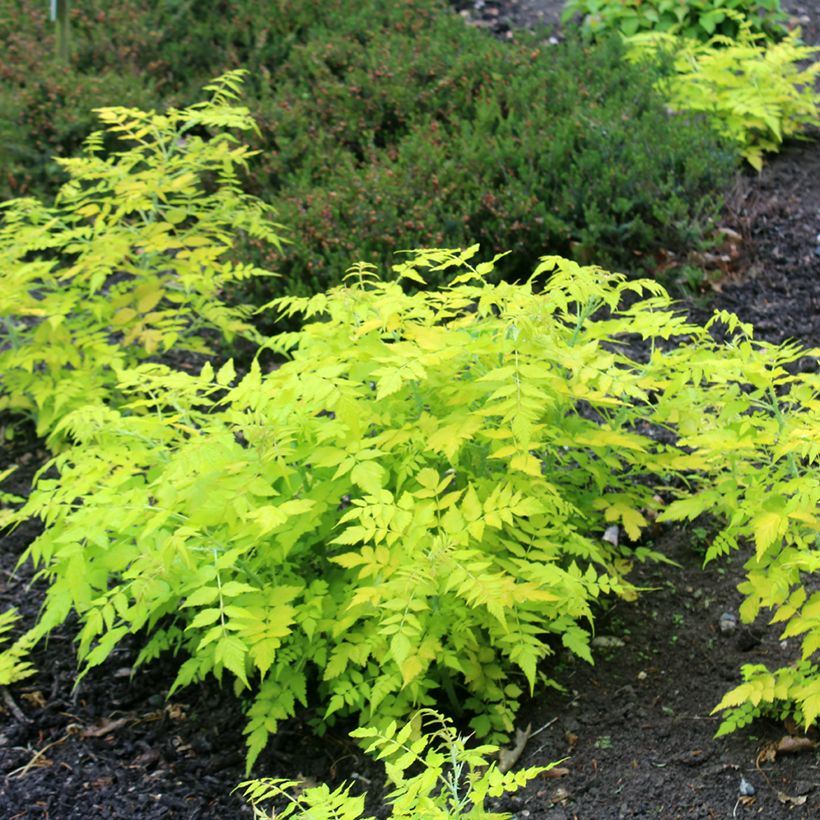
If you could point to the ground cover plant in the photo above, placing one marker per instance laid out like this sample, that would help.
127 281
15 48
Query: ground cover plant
372 143
131 260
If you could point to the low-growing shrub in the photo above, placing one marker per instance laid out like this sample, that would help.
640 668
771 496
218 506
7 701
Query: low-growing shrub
412 506
131 260
754 92
52 117
698 19
391 144
449 779
386 126
140 53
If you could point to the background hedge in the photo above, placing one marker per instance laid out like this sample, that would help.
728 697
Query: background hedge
384 125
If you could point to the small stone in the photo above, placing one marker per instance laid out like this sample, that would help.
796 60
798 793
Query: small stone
746 789
607 642
727 623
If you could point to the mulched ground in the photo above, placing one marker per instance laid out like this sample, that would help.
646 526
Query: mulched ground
635 728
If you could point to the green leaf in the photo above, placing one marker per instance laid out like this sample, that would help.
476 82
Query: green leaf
231 652
226 374
202 596
368 475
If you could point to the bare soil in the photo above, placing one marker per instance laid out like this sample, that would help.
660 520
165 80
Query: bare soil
635 729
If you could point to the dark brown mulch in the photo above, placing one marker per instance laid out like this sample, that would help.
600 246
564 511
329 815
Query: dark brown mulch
635 728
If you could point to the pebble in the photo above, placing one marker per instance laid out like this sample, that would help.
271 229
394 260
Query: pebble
728 623
607 642
746 789
611 534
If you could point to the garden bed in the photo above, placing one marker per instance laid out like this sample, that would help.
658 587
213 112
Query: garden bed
635 729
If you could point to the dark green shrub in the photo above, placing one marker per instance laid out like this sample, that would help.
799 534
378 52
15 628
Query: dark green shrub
135 52
566 149
51 117
393 125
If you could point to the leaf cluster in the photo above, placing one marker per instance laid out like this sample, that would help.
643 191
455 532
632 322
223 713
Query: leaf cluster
13 663
695 19
453 780
789 692
756 93
133 258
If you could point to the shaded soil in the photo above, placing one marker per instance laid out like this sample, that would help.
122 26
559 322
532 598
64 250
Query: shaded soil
635 728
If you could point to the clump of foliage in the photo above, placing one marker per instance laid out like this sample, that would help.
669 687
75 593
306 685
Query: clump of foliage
412 505
764 484
450 779
755 93
789 692
133 257
697 19
14 665
393 125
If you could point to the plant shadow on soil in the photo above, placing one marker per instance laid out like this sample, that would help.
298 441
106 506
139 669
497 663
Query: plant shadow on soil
635 728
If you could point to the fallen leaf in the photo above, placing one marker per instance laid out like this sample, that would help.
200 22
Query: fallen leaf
147 758
561 795
175 711
507 758
791 745
766 755
556 771
791 801
730 234
36 698
104 728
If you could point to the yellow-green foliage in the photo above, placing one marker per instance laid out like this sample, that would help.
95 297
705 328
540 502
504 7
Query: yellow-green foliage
413 504
452 780
764 484
754 92
789 692
13 667
132 258
7 498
